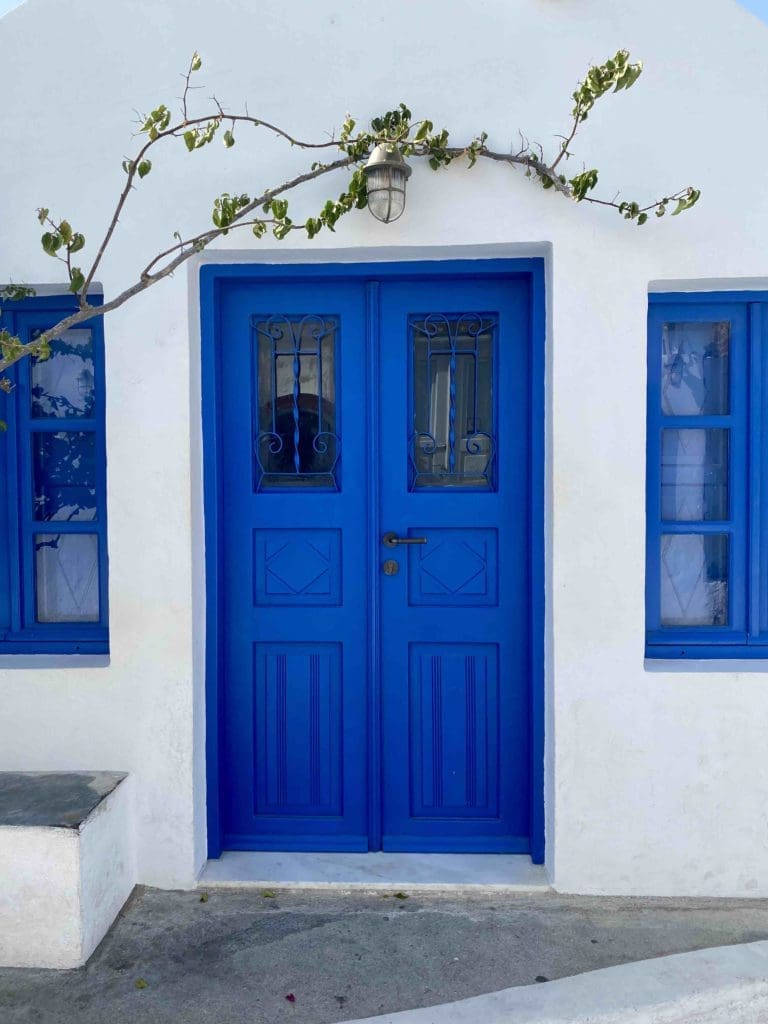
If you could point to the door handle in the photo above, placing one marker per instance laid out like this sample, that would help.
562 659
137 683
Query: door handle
391 540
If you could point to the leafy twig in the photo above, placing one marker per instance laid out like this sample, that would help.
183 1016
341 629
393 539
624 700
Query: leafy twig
269 210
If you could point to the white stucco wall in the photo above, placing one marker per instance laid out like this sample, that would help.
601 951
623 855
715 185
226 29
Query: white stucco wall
657 781
40 902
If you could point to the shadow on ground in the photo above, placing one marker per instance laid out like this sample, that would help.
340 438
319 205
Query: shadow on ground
234 957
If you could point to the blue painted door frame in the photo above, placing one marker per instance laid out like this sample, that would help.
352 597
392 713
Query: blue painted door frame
371 295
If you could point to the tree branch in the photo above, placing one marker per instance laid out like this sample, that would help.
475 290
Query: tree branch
394 128
184 250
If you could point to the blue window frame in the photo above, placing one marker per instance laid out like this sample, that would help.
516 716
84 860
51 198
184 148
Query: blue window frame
53 530
707 476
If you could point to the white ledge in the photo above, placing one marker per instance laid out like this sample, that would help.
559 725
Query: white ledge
728 984
447 872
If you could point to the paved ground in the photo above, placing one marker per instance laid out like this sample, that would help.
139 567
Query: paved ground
234 958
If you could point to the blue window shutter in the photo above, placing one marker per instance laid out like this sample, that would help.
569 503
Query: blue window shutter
53 490
706 555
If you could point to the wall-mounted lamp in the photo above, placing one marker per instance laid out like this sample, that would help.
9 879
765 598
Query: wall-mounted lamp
386 175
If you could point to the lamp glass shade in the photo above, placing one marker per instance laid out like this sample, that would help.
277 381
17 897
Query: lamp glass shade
386 192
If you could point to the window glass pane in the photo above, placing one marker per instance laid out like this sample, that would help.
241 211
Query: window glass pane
63 384
67 577
64 473
694 369
694 579
694 474
453 442
296 442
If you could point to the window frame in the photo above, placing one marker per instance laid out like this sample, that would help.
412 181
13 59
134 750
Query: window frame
745 636
20 633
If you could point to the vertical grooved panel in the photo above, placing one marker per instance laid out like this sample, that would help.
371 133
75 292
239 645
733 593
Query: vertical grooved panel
453 728
314 726
281 728
297 729
437 734
471 731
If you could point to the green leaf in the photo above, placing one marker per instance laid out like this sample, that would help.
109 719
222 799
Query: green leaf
127 166
42 213
51 242
630 76
76 279
583 183
144 168
642 218
229 139
65 230
693 197
423 131
141 983
77 243
14 292
190 138
196 62
268 894
42 350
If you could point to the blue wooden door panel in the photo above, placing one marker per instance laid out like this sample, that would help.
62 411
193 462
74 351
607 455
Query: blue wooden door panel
295 700
455 667
301 473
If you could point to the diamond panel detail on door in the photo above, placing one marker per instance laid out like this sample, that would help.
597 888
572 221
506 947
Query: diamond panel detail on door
455 618
294 631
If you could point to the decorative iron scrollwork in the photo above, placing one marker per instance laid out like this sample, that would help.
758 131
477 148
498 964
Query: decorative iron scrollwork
454 431
296 443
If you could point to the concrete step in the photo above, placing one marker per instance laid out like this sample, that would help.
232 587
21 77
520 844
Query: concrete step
417 872
66 864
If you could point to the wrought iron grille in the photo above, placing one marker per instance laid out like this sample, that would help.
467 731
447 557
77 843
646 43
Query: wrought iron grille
296 443
453 443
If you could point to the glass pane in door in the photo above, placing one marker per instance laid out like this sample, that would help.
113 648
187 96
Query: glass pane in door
296 439
453 443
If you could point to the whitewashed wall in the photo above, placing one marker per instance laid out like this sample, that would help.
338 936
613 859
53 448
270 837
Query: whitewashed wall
657 778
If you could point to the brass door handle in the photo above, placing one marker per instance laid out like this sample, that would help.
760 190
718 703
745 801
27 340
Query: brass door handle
391 540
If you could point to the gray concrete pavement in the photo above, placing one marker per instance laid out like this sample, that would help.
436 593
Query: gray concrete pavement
234 958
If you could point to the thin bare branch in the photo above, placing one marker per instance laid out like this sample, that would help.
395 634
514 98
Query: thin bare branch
183 251
175 131
567 141
206 237
395 128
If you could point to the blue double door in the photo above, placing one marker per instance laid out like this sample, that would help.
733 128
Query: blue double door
374 448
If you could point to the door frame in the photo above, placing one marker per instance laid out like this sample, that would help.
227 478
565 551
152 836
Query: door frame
212 277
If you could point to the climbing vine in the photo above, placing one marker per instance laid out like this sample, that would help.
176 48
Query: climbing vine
269 210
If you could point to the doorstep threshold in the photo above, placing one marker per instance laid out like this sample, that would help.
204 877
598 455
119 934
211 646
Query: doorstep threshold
436 872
